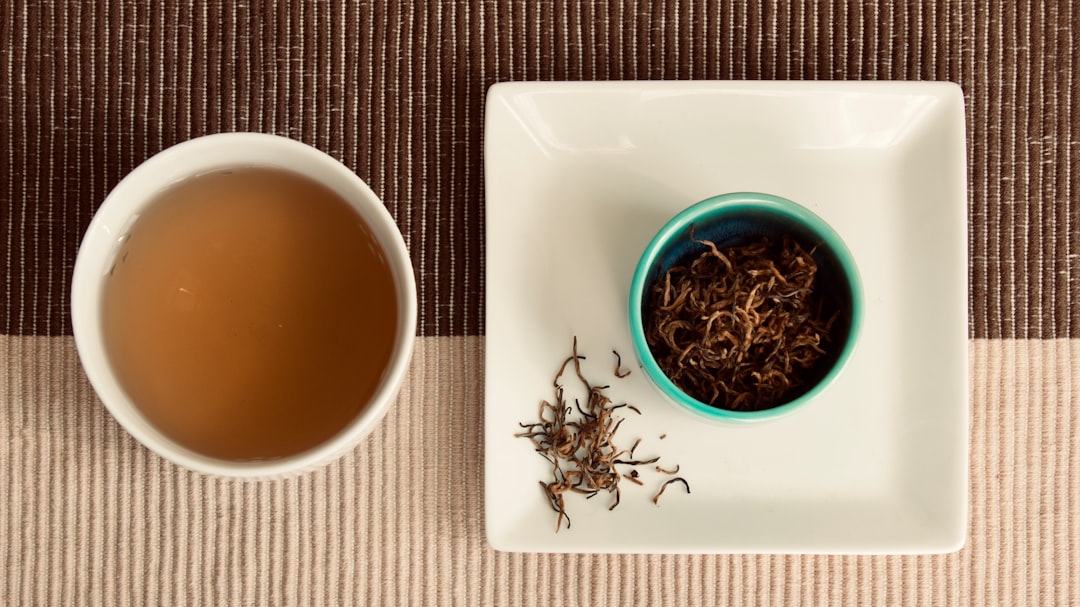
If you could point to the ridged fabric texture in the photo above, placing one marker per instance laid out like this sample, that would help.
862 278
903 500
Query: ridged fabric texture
89 517
395 90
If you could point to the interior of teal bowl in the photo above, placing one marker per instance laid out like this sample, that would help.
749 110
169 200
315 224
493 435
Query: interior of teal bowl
739 219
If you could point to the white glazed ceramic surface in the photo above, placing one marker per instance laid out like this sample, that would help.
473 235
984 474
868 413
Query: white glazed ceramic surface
581 175
115 217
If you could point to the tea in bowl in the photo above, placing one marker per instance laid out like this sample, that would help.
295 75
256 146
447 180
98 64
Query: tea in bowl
244 305
744 307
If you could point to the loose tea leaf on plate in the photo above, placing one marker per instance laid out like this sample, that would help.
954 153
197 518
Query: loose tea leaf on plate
581 447
677 479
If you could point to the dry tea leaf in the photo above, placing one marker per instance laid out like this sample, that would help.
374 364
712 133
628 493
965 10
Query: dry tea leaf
677 479
739 328
579 442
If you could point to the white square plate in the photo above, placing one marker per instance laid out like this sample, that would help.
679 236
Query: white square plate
580 176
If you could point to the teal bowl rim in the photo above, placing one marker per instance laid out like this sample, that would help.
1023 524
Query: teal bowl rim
726 203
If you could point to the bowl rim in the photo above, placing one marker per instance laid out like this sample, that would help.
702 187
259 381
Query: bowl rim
725 204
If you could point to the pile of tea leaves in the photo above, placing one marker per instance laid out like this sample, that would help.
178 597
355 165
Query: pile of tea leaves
579 442
739 328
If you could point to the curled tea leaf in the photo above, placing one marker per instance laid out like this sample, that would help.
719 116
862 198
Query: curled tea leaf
739 328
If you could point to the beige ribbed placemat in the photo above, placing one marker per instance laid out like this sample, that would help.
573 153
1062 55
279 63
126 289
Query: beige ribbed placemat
90 518
395 90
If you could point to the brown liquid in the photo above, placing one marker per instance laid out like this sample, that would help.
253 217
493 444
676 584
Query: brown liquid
250 314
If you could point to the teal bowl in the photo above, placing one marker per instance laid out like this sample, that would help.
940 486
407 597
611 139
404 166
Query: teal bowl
733 220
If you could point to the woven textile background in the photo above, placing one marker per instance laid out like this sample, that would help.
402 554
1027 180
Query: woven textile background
395 90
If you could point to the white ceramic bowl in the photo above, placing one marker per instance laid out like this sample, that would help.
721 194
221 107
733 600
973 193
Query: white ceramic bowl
138 189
